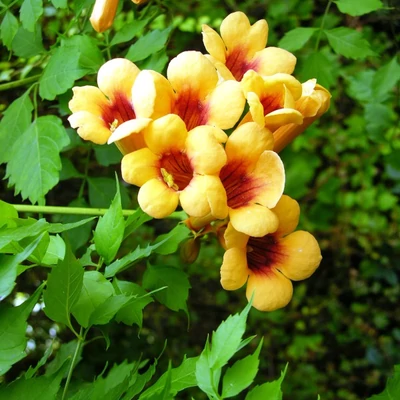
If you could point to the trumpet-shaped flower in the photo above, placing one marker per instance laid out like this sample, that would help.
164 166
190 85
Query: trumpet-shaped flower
253 178
103 14
178 166
314 101
192 92
110 108
272 99
241 47
268 264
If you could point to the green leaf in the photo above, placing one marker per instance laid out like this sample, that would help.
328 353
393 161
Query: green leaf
64 353
61 72
269 390
12 331
156 62
8 29
360 85
177 291
32 370
106 311
9 266
7 212
148 44
110 230
55 251
384 80
182 377
129 31
241 374
102 192
59 3
96 289
28 44
392 389
35 163
30 12
318 66
356 7
296 38
227 338
378 118
138 383
133 312
348 43
64 286
59 228
107 155
172 239
134 221
15 122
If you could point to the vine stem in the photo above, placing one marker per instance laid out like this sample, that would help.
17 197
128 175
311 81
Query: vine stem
81 340
21 82
328 6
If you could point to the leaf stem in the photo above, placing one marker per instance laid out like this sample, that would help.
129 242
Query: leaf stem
328 6
81 340
20 82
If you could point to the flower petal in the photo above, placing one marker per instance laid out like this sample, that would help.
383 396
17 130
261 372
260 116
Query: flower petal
166 134
90 127
87 98
116 77
157 199
302 255
234 238
271 291
139 167
234 271
213 43
254 220
284 116
288 212
273 60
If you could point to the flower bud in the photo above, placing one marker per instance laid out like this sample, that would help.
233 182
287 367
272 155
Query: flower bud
189 250
314 101
103 14
139 1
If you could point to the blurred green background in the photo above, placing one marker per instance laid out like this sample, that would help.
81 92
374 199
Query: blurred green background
341 332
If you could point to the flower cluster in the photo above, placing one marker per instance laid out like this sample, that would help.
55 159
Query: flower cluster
173 130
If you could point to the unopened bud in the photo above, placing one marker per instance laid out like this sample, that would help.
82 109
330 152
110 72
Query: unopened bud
103 14
189 250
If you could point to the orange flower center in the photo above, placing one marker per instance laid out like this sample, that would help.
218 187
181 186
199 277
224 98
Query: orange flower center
176 170
263 253
241 188
272 102
190 108
238 65
117 111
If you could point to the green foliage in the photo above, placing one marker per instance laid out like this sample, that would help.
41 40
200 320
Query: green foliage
355 8
392 390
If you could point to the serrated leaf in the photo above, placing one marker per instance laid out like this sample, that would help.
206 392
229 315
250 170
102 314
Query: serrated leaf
8 29
318 66
35 163
64 286
269 390
156 62
102 191
9 265
392 389
32 370
96 289
59 228
60 3
61 72
348 43
12 331
148 44
110 230
356 8
15 122
7 212
64 353
106 311
296 38
182 377
129 31
137 384
30 12
384 80
172 239
359 87
378 118
107 155
134 221
227 338
28 44
177 291
241 374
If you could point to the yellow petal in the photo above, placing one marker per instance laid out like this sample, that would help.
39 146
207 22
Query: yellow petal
87 98
213 43
116 77
288 212
270 170
273 60
302 255
271 291
234 271
152 95
278 82
225 105
192 72
139 167
284 116
205 195
166 134
206 155
128 128
90 127
157 199
254 220
256 109
247 143
103 14
252 82
234 238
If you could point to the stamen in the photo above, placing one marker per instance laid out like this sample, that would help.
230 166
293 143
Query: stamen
114 125
169 179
